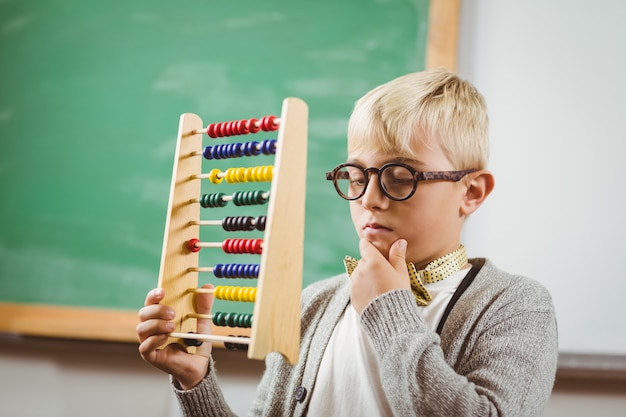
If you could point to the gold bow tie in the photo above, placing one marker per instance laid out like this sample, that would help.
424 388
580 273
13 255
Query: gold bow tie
437 270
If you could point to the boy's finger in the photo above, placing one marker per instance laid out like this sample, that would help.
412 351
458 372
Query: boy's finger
154 296
397 255
368 250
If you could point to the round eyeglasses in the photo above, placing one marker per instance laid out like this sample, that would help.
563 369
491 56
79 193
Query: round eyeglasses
397 181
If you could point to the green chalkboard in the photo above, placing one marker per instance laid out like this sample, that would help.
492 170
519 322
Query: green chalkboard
90 97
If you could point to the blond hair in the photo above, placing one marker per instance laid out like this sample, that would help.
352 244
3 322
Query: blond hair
428 105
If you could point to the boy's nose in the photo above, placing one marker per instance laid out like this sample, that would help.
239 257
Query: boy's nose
374 198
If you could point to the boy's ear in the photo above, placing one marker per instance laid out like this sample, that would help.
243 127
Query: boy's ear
479 185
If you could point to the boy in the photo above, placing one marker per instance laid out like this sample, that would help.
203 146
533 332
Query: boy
417 329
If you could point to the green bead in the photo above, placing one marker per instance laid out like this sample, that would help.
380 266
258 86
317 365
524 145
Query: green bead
222 319
218 200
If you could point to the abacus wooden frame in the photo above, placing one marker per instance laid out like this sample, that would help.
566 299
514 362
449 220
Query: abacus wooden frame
276 317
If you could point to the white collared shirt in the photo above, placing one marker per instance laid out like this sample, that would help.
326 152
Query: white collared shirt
348 381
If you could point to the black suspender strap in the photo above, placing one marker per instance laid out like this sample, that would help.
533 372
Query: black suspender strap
467 281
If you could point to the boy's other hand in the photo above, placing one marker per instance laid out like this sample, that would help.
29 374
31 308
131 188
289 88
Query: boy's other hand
375 275
155 324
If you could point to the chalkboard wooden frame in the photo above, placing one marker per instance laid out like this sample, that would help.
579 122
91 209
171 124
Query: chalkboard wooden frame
117 325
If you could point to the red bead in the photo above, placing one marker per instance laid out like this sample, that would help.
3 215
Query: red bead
228 246
191 245
232 128
211 130
217 130
223 129
252 125
270 123
257 246
241 127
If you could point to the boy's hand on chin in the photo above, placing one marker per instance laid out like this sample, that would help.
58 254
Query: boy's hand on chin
374 275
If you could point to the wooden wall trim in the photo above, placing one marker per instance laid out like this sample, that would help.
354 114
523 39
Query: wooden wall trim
596 368
78 323
443 34
68 322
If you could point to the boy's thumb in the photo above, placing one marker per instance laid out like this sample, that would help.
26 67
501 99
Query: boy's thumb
397 255
204 304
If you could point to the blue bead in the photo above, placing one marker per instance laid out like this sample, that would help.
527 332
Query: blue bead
255 148
247 149
215 152
238 151
231 151
267 148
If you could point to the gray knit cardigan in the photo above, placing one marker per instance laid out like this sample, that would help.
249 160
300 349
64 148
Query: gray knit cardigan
496 356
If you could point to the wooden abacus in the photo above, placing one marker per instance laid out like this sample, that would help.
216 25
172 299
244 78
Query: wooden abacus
275 322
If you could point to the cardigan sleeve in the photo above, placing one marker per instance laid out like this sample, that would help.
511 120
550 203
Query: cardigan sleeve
502 360
203 400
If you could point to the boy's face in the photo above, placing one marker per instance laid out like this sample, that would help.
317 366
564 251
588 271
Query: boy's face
430 220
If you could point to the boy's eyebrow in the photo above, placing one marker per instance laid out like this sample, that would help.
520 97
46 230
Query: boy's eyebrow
408 161
403 160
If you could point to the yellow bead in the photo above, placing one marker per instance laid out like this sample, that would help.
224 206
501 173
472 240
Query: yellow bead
241 175
217 292
231 294
213 176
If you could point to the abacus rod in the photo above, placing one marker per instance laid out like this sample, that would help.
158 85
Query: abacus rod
214 290
257 124
201 153
212 269
201 269
206 223
207 176
224 198
214 222
202 290
199 316
231 197
208 244
212 338
220 175
198 244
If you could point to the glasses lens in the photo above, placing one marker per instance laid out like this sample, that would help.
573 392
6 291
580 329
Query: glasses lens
350 182
397 181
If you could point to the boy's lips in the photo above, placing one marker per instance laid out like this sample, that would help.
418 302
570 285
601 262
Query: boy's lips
375 229
374 226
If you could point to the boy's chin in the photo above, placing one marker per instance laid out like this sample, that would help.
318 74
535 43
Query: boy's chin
383 248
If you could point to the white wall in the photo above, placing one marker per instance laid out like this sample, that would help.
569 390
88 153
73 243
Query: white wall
58 378
552 73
